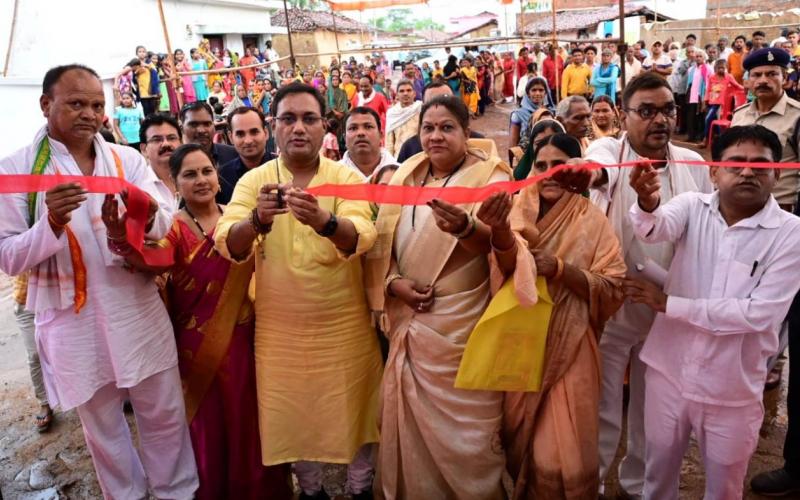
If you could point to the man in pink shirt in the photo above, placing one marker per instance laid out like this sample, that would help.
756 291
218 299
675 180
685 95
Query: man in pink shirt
732 279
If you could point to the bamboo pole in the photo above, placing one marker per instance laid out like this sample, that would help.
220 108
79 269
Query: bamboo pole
11 37
740 27
172 80
624 45
557 90
718 19
292 60
462 43
336 38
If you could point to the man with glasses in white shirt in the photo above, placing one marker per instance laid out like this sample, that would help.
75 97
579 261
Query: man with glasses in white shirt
731 282
649 114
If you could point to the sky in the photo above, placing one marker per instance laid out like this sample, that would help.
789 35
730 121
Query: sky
442 10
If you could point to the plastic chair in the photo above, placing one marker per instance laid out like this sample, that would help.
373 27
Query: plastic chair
725 116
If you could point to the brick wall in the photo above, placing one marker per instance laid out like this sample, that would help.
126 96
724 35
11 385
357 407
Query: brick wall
742 6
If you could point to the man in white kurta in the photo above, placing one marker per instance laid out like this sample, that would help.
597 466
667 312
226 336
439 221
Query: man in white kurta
118 343
735 273
625 333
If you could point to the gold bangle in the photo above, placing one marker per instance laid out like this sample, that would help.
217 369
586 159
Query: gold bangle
388 283
559 269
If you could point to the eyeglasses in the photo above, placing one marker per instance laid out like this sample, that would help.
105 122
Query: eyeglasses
650 112
158 139
290 120
756 171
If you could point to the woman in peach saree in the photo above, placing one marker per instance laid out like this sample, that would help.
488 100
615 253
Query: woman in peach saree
437 442
551 435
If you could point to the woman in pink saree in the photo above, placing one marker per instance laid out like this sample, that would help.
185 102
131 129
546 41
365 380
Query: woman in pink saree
214 328
186 87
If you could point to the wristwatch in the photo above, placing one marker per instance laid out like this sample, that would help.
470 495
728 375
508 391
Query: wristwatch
329 229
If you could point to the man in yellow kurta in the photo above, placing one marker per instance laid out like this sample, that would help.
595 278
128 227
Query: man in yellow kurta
318 365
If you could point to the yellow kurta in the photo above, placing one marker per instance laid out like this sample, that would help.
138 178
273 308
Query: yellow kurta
318 365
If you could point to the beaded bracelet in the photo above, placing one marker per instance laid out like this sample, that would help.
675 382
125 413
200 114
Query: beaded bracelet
257 225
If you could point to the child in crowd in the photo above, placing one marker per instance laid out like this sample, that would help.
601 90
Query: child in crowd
128 118
330 145
720 86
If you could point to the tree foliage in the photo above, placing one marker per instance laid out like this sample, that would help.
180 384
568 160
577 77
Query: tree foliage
402 20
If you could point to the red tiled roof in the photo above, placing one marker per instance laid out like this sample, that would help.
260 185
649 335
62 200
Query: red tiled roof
309 21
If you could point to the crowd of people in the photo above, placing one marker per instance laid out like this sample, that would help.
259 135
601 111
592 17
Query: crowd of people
291 330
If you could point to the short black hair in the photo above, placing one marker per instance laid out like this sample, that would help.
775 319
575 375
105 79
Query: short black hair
455 106
576 50
649 80
296 88
363 110
747 133
53 75
367 77
196 106
157 119
743 38
692 36
592 48
241 110
432 85
134 62
176 160
759 33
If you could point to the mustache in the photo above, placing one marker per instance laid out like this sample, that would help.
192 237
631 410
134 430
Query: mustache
166 149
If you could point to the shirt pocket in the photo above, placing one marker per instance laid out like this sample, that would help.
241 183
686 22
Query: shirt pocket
742 279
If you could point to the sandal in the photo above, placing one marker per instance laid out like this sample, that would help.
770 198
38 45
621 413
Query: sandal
43 422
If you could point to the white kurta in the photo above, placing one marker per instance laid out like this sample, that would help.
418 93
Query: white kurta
123 334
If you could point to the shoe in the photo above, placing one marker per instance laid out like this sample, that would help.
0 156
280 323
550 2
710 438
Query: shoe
45 421
320 495
364 495
775 483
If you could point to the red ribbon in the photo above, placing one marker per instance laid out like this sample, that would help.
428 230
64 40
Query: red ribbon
137 205
138 201
416 195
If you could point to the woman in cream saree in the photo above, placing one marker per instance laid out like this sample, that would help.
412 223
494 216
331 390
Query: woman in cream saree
551 435
437 442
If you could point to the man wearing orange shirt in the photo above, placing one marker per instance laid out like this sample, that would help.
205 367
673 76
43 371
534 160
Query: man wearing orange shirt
736 58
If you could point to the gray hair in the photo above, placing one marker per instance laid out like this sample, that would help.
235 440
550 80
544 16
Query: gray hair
564 108
607 52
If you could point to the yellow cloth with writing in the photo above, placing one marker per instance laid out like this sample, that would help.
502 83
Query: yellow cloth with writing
318 364
505 351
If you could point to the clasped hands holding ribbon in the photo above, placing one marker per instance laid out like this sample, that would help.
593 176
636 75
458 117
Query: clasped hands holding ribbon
65 193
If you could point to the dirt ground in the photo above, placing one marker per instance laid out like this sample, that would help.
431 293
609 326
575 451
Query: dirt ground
62 466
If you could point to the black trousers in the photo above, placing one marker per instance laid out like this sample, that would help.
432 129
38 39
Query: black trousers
694 123
149 105
791 447
680 101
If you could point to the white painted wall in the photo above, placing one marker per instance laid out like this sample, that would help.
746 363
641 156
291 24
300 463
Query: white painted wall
103 34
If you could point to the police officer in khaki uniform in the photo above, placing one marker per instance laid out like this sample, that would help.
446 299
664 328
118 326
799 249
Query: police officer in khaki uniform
775 110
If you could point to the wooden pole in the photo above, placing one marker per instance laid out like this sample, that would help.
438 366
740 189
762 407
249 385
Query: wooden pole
11 38
336 37
174 77
557 90
522 21
718 9
292 60
623 45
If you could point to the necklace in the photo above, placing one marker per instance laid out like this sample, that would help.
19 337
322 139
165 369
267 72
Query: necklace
429 173
189 212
